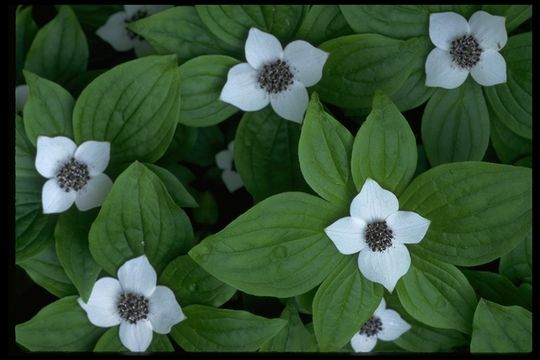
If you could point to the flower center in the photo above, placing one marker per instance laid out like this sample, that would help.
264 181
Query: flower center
73 175
275 77
372 327
133 308
378 236
465 51
138 15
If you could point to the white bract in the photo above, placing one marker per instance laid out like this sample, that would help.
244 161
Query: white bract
224 161
466 47
274 75
21 94
385 324
379 232
116 33
75 173
135 303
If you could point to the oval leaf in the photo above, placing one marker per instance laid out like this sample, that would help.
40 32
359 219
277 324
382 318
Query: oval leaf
47 110
266 154
134 106
221 330
455 125
25 30
508 145
139 217
202 80
514 15
324 152
478 211
192 285
46 271
512 101
344 302
360 64
517 264
437 294
384 148
277 248
59 51
60 326
323 22
179 31
502 329
33 229
231 23
71 236
176 189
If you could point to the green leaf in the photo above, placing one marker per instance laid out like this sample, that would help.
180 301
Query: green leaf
182 142
110 342
455 125
478 211
60 326
266 154
508 145
176 189
511 102
304 302
321 23
344 302
503 329
77 84
324 153
514 15
134 106
397 21
358 65
497 288
437 294
179 31
292 338
424 338
277 248
46 271
208 211
95 16
202 80
25 30
59 51
221 330
33 229
48 109
71 236
422 163
384 148
517 264
139 217
192 285
231 23
525 161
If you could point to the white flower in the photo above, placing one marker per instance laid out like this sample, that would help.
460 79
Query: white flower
116 33
385 324
273 75
75 173
21 94
378 231
135 302
463 47
224 161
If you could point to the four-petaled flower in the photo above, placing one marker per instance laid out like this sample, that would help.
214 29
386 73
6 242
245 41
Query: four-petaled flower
385 324
75 173
466 47
273 75
378 231
135 302
224 161
116 33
